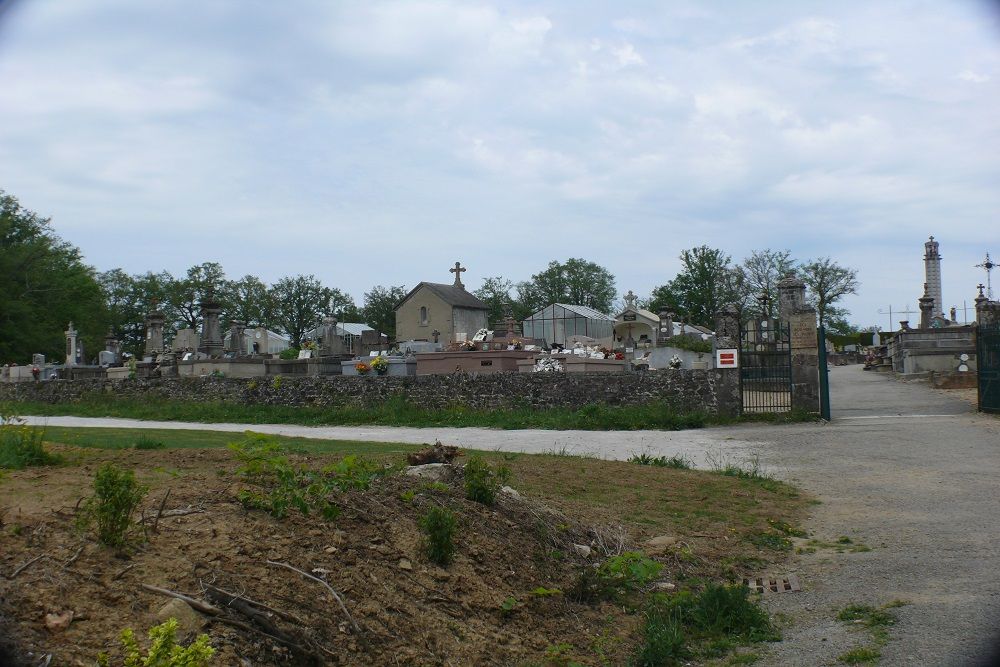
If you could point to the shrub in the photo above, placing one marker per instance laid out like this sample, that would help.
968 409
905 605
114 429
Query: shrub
483 482
145 442
677 461
439 526
116 495
289 353
21 445
615 577
727 610
164 651
662 635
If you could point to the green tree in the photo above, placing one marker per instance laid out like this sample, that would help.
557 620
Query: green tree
707 281
299 304
828 283
44 285
496 292
761 272
129 298
575 281
379 309
342 306
250 301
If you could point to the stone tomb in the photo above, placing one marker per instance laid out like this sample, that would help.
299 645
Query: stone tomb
478 362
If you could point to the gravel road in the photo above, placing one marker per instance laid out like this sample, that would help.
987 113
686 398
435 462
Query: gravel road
907 470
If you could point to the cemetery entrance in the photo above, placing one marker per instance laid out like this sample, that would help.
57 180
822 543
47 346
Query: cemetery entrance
766 366
988 364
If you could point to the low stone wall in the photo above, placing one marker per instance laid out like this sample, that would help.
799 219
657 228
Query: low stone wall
683 389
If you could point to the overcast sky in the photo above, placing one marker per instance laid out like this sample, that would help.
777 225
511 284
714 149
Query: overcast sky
377 143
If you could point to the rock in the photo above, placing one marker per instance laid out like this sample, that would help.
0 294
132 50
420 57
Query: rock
188 620
330 549
405 564
57 621
510 492
660 544
664 586
582 549
435 472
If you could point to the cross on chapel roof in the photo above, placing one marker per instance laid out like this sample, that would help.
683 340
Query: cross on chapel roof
458 270
630 300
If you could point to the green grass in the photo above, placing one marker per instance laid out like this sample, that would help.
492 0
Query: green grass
876 620
125 438
860 656
397 411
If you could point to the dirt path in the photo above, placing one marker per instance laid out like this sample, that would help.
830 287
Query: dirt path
904 469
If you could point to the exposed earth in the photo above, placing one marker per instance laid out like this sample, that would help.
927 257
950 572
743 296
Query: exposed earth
908 471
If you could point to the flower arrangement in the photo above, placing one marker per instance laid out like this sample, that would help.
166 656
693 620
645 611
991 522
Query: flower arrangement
380 365
362 368
620 356
547 365
310 345
674 363
468 345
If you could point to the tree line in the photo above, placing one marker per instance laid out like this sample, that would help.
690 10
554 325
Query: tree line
44 284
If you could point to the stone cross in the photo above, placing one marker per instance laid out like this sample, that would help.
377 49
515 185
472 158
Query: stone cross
630 300
458 270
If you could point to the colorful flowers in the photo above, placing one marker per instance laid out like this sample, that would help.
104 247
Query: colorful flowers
362 368
380 365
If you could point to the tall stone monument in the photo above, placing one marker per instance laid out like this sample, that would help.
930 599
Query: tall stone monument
801 318
330 344
926 308
666 329
112 346
154 333
932 277
211 331
237 338
72 346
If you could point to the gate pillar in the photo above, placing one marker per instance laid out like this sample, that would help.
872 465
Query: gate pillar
804 341
729 398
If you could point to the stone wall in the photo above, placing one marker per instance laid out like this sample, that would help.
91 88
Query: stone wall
684 389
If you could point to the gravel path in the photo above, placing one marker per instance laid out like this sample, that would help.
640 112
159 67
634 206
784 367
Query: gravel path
904 469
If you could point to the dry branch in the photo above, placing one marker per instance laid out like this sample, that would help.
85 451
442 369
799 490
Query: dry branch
159 513
284 615
336 596
203 607
26 565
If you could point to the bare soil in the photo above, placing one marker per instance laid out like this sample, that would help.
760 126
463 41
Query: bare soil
409 611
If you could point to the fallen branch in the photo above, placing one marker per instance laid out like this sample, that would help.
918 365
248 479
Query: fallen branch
203 607
26 565
75 556
180 511
336 596
122 571
284 615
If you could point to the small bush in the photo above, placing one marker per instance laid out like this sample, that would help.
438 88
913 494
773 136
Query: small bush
164 651
677 461
145 442
615 577
289 353
21 445
483 482
439 526
116 495
727 610
663 636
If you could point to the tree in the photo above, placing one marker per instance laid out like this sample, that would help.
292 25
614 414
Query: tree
495 292
250 301
705 283
379 309
576 281
762 271
342 306
128 299
187 294
828 283
299 303
44 284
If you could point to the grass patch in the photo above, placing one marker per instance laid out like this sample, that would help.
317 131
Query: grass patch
877 620
677 461
863 655
21 445
843 544
397 411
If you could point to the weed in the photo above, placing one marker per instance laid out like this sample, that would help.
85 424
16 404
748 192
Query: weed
483 482
437 487
116 495
556 655
843 539
663 637
727 610
252 385
408 495
876 620
542 592
508 606
860 656
615 577
21 445
164 651
786 528
775 541
145 442
276 383
439 526
677 461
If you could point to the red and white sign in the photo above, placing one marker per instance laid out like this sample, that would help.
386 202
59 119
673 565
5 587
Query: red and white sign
727 358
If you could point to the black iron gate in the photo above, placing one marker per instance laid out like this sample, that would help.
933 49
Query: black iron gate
766 366
988 367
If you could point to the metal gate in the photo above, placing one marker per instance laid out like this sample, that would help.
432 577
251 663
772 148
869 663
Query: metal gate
766 366
988 365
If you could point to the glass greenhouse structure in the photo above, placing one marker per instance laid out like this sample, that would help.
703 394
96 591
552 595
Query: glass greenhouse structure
555 324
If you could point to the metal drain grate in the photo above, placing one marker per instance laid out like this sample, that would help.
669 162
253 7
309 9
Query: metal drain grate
789 584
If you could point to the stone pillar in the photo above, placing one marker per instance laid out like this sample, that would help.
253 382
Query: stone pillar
111 345
804 341
237 340
932 276
211 333
987 313
330 344
666 327
926 310
72 345
729 400
154 333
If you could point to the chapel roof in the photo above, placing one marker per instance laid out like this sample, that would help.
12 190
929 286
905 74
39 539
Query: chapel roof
451 294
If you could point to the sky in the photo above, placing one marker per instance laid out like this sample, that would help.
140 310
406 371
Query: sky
377 143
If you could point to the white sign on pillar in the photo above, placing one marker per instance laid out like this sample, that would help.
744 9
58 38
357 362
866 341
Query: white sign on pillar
727 358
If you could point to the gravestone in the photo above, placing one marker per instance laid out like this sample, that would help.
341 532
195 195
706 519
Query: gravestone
106 358
72 346
666 329
38 360
330 344
185 340
211 333
237 337
154 333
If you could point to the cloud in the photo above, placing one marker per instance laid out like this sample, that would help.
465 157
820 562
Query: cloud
973 77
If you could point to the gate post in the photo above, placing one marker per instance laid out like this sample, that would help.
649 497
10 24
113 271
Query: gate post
728 396
804 343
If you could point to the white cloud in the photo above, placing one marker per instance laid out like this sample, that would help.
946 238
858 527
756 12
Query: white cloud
627 55
973 77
